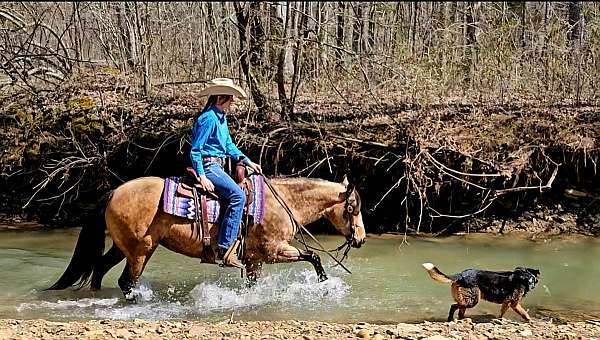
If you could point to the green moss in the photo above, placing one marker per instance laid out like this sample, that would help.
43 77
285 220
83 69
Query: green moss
89 123
81 103
111 70
33 151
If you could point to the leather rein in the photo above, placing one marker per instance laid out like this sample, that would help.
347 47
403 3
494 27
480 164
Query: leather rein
348 209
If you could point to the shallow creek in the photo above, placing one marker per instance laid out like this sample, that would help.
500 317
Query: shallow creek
388 283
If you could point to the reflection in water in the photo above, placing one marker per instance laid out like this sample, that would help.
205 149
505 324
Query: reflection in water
388 284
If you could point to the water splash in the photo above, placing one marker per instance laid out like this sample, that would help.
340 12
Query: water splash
66 304
283 290
143 291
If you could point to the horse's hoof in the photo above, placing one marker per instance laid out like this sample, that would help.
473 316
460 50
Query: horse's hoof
250 283
131 298
322 278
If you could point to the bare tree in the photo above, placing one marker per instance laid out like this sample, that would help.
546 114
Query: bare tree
576 22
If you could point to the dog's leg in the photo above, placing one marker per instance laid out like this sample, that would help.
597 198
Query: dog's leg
453 309
461 312
503 310
521 311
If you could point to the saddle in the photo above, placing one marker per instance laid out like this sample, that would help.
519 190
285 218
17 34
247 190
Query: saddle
190 188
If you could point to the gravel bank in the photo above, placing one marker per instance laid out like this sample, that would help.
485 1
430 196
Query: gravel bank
292 329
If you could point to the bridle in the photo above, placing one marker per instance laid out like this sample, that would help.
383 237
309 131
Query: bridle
351 210
301 228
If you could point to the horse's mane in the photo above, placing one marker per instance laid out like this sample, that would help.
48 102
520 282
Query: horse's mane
303 181
299 179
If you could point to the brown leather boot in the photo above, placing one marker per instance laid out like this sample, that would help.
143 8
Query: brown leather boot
229 258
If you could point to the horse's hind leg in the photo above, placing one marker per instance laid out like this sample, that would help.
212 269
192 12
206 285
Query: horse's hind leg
112 257
135 266
288 253
126 283
130 277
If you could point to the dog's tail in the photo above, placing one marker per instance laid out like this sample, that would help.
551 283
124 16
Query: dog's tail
436 274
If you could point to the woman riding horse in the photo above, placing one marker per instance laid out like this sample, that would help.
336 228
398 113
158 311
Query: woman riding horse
132 215
211 143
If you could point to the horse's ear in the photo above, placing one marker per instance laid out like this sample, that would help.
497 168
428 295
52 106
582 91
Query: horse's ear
345 181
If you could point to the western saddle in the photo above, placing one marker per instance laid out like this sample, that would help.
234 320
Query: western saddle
190 188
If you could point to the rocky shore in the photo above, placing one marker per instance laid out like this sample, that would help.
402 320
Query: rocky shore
292 329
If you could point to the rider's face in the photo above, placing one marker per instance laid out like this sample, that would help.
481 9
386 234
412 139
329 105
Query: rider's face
225 102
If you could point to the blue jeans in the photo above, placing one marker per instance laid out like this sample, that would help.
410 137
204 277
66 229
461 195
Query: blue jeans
231 195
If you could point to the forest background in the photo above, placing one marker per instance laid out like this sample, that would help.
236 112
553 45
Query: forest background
449 116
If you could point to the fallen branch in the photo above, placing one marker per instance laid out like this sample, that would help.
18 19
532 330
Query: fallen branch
497 193
458 172
355 140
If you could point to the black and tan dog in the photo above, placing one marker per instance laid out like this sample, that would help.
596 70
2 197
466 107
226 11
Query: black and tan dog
506 288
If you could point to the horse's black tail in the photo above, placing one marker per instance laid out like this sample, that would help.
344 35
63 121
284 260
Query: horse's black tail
89 249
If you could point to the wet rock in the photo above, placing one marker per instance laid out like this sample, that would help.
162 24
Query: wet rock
123 333
6 333
97 334
139 322
196 330
137 331
364 333
437 337
526 332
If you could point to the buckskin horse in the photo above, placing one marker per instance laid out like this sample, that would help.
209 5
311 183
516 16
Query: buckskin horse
137 225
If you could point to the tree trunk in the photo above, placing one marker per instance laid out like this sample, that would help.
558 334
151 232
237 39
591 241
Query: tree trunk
415 15
471 41
243 17
357 31
340 30
576 23
371 29
523 12
144 38
280 29
470 23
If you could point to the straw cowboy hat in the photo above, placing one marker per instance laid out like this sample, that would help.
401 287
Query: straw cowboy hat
223 86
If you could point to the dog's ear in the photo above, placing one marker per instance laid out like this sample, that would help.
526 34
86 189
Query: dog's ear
520 269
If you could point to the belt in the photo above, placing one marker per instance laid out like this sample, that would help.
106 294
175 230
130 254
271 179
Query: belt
217 160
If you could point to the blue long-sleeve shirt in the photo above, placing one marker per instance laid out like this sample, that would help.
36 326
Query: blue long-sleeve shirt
211 138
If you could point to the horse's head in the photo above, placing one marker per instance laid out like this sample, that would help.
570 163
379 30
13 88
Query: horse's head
346 216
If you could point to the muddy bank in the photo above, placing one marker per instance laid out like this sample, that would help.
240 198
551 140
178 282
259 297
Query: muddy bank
292 329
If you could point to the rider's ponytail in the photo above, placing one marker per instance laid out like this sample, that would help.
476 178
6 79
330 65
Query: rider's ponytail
212 100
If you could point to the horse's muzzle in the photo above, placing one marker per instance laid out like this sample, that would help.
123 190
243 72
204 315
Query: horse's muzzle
357 243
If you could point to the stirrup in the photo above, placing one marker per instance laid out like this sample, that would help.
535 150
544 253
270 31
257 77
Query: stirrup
230 259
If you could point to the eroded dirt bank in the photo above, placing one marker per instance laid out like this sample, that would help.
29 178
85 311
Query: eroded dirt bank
292 329
420 167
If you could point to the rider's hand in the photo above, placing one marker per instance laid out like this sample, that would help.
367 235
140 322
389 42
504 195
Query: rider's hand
206 184
255 167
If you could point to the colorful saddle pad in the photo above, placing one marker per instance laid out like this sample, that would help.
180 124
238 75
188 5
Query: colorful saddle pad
182 206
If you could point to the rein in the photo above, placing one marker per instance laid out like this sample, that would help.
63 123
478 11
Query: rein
302 228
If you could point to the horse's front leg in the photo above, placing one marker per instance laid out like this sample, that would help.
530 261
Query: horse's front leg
253 271
287 253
